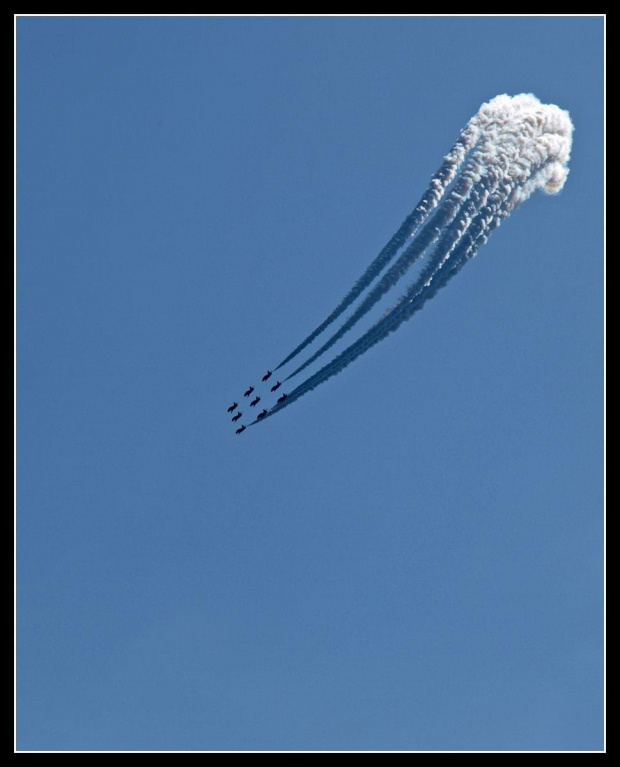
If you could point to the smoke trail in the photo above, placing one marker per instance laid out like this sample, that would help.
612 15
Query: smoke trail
468 196
525 146
437 273
434 277
497 140
435 191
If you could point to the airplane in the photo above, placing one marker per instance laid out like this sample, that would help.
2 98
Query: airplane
240 430
262 414
282 398
276 386
255 401
232 407
237 417
267 375
249 391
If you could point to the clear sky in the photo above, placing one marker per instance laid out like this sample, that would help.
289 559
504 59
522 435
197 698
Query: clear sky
409 557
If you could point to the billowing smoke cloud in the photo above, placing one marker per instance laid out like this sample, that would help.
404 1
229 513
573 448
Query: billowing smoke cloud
509 149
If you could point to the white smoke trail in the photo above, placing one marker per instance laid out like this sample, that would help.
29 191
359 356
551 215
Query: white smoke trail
433 278
495 141
468 196
435 191
445 264
523 145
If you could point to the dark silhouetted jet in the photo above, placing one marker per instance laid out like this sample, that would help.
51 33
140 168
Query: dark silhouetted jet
282 398
255 401
267 375
237 417
232 407
276 386
240 430
262 414
248 392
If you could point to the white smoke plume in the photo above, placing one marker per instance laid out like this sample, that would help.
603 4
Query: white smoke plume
513 146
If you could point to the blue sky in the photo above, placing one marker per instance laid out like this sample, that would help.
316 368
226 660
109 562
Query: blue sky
408 558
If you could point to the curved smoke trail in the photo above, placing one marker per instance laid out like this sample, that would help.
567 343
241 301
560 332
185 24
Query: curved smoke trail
467 193
435 191
516 145
434 277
